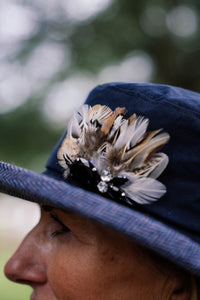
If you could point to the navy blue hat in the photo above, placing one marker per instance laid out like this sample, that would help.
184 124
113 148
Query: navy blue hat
169 226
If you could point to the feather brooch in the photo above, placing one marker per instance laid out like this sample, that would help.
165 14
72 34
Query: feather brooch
114 156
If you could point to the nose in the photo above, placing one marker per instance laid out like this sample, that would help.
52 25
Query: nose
27 265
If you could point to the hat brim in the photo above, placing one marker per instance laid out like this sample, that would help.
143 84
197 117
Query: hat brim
143 228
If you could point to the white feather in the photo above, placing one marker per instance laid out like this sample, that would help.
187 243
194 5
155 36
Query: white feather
84 118
117 123
139 129
132 133
74 130
162 161
120 140
144 190
78 122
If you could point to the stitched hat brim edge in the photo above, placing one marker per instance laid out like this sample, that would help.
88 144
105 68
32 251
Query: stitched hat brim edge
144 229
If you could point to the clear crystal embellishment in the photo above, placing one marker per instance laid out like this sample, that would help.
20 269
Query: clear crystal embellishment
102 187
106 176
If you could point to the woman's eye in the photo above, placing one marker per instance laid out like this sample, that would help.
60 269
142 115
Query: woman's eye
62 229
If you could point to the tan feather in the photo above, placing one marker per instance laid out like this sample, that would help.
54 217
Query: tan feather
140 155
108 124
119 111
139 147
132 118
155 143
100 113
70 148
110 120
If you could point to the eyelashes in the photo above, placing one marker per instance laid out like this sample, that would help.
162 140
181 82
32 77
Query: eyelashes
58 232
63 229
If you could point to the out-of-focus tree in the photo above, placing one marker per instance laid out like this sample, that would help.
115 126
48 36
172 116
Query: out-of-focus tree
52 53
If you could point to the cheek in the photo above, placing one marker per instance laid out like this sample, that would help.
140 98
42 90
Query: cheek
79 273
72 274
84 273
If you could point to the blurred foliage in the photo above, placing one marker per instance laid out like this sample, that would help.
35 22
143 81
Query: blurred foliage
26 138
106 38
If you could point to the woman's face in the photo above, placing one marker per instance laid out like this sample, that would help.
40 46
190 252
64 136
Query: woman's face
67 257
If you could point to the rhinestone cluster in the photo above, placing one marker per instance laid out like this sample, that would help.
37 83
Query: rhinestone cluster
106 177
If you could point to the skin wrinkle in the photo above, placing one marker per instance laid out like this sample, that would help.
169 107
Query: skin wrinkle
88 262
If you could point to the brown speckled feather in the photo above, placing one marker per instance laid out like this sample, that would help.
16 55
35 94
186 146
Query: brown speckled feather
119 145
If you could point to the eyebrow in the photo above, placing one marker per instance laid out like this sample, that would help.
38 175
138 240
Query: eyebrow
47 208
69 215
55 218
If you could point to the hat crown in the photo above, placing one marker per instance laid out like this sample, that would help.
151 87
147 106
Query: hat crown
176 111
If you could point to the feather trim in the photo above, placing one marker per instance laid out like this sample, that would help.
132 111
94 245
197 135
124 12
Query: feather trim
107 142
151 189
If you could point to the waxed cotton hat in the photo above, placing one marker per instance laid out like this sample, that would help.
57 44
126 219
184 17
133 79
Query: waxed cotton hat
162 214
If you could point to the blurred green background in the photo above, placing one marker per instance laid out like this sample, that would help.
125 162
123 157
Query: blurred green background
52 53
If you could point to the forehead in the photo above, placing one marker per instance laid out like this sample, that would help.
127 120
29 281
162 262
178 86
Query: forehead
75 221
86 225
65 214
